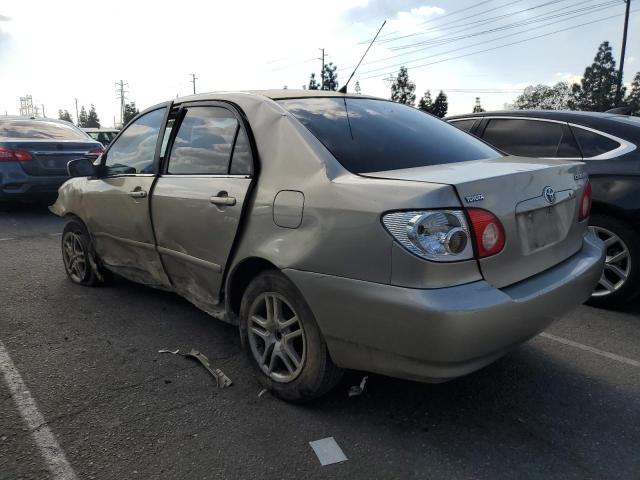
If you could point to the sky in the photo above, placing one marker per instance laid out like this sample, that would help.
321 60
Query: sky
60 50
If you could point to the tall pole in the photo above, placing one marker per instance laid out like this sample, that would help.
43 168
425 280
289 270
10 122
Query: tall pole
193 80
322 71
77 117
43 114
121 95
624 48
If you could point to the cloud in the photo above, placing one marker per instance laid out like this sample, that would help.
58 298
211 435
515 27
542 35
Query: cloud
4 18
375 11
567 77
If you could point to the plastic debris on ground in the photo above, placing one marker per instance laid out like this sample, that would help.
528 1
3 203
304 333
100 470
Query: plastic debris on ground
222 381
262 392
328 451
356 390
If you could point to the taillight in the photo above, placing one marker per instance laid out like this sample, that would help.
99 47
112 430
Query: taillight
585 202
95 152
487 231
12 155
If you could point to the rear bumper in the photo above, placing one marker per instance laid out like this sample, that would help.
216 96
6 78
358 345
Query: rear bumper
439 334
18 185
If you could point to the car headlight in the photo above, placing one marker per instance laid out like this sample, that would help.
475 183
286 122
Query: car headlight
440 235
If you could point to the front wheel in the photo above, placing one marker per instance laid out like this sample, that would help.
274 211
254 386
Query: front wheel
283 341
620 281
78 257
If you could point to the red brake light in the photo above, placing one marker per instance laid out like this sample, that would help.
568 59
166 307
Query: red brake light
585 202
94 152
12 155
488 232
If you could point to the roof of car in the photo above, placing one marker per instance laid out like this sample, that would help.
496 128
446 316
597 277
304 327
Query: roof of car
90 129
274 94
36 119
564 115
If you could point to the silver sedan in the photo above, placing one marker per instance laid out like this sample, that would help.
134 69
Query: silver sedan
336 231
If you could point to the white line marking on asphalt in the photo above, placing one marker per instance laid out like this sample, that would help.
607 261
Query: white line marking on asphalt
587 348
46 441
55 234
5 239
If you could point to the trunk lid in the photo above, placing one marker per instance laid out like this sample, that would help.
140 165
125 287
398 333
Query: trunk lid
541 230
50 157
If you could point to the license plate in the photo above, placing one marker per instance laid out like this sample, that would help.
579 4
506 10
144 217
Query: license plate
542 227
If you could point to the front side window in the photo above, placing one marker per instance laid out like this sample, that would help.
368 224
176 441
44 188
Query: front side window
134 150
204 142
40 129
465 125
593 144
367 135
527 138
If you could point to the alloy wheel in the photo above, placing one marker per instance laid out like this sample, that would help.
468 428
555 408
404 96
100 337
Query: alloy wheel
73 255
617 266
276 337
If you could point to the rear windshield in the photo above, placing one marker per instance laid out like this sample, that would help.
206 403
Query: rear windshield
39 129
367 135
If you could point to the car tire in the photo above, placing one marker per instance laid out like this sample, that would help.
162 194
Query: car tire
78 256
620 282
283 341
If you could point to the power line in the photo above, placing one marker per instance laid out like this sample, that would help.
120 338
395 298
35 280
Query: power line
408 62
506 44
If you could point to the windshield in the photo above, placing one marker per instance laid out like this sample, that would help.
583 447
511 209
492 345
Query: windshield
38 129
367 135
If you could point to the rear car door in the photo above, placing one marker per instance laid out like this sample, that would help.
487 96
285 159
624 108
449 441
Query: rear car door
118 201
531 138
198 199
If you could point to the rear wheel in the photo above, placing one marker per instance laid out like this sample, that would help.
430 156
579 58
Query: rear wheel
78 256
620 281
283 341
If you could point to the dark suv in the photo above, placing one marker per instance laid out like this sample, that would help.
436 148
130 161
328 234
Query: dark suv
608 143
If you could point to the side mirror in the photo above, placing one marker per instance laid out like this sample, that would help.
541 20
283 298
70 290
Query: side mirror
81 167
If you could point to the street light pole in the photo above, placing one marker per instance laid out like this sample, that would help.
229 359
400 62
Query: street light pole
624 48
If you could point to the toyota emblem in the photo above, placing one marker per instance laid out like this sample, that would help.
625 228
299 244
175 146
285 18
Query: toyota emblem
549 194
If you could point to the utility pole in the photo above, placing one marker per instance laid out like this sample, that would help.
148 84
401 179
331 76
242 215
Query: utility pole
624 48
121 95
322 71
43 114
77 116
193 80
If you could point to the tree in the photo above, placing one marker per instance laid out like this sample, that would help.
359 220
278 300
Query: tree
329 77
357 88
313 84
130 111
64 115
477 107
633 99
544 97
597 90
402 89
92 118
83 118
426 104
440 105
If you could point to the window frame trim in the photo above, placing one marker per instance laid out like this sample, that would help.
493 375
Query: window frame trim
183 107
624 145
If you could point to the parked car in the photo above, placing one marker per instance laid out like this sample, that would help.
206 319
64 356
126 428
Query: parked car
608 145
335 232
34 153
103 135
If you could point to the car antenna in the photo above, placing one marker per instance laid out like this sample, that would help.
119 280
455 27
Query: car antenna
344 87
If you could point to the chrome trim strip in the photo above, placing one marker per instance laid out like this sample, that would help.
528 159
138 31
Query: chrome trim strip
128 241
60 152
174 175
188 258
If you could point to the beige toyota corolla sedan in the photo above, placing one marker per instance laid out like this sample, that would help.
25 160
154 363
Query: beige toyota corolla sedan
336 231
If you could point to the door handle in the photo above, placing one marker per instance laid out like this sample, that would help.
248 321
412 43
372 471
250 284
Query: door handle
223 199
137 194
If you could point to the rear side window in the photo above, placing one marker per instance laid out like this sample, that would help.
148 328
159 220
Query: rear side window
465 125
367 135
593 144
40 130
528 138
134 150
204 142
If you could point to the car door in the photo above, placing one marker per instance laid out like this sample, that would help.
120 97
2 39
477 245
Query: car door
118 202
198 200
531 137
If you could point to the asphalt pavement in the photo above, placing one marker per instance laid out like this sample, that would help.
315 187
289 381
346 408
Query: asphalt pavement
565 405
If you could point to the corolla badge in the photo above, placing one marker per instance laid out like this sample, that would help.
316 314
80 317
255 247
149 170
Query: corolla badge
549 194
